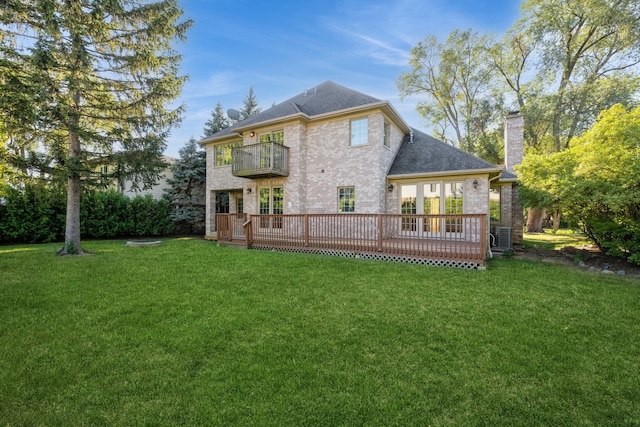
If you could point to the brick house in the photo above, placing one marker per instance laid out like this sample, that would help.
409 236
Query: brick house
333 150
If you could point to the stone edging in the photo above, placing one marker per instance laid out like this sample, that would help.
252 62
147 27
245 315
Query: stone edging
605 270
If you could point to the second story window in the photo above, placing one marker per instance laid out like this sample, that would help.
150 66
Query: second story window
275 136
386 138
223 153
360 131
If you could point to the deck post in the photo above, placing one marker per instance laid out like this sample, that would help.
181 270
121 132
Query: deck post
379 232
248 230
306 230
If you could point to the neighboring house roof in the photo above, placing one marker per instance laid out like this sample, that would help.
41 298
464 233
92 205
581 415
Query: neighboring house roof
327 98
430 156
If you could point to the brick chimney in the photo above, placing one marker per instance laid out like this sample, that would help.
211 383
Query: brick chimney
513 154
513 140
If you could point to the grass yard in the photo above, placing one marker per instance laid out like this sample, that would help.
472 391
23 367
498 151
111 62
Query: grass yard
550 240
191 333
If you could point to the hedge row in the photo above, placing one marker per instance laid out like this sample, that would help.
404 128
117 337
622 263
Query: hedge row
37 215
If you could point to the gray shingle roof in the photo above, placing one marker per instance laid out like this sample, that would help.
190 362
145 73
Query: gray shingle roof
428 155
325 98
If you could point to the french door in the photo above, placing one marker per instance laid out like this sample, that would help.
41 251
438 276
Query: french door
271 203
432 198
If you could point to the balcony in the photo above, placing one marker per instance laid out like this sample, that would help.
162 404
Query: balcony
264 160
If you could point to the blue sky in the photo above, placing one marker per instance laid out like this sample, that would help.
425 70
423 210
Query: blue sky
280 48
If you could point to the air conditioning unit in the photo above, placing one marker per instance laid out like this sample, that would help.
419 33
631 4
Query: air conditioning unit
501 238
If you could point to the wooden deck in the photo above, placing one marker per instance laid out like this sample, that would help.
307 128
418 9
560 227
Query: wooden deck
455 238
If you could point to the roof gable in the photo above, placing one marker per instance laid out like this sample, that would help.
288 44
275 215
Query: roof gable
428 155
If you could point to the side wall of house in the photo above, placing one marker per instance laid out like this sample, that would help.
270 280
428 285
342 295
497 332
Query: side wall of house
333 163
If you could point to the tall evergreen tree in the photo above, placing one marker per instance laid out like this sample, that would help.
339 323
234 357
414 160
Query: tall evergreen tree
187 192
250 105
217 122
96 77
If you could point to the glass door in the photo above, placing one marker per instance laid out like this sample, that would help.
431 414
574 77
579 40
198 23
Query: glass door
431 206
271 203
408 194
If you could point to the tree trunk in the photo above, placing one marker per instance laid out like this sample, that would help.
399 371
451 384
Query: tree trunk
535 216
72 228
556 220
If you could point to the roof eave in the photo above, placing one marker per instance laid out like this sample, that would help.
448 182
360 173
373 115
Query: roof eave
489 171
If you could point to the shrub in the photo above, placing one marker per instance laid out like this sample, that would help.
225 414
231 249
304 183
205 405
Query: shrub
37 215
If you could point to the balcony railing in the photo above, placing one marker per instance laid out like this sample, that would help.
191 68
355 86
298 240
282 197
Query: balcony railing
456 238
267 159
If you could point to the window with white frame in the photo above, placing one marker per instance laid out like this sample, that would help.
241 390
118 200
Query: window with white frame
408 207
276 136
360 131
386 138
271 202
346 199
223 153
433 198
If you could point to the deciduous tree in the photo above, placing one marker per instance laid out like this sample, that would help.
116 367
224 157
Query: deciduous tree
458 80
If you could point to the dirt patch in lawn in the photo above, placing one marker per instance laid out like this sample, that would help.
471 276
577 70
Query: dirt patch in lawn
589 255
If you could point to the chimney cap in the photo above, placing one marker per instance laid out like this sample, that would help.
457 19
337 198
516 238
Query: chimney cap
514 113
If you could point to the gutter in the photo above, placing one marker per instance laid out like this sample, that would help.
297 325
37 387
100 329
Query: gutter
489 171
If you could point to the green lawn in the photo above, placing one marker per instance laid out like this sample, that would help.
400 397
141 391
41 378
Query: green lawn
191 333
550 240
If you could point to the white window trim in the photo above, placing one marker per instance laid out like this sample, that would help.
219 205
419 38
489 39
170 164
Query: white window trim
351 133
420 195
345 187
386 135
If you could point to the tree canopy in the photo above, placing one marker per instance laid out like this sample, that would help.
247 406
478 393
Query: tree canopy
88 83
596 181
459 83
560 65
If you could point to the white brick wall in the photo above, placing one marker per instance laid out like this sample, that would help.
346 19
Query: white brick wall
320 161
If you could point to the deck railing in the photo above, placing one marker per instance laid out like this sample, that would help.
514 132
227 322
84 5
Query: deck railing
230 227
260 160
450 237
